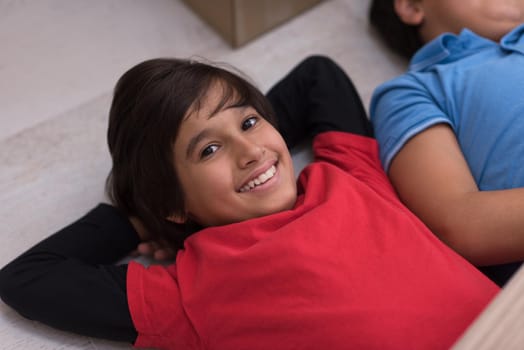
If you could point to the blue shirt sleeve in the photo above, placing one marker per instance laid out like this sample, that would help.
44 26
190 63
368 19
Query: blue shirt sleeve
402 108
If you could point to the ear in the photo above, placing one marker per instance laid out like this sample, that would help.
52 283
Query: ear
410 12
177 218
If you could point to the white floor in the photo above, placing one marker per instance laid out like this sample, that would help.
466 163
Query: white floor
59 60
58 54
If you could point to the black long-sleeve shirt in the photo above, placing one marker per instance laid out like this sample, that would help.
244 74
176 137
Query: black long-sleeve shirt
70 281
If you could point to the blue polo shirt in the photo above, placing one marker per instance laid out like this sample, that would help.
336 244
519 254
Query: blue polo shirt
474 85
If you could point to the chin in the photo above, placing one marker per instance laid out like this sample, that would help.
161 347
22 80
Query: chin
287 204
273 209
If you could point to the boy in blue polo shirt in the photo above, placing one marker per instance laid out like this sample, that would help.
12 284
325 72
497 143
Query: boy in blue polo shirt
450 129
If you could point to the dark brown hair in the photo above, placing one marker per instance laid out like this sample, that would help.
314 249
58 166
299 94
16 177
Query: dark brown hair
402 38
149 103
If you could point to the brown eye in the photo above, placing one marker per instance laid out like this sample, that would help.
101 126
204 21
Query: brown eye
209 150
249 123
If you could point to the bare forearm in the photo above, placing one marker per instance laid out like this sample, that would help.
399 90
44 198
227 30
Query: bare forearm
434 181
486 227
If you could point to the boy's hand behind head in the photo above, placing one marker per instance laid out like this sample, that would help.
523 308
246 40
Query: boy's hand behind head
156 250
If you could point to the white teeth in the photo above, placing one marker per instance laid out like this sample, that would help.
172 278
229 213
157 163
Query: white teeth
262 178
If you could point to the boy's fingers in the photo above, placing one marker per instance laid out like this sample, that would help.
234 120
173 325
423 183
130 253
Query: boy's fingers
164 254
146 248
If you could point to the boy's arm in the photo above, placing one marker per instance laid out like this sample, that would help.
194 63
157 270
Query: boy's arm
486 227
68 281
317 96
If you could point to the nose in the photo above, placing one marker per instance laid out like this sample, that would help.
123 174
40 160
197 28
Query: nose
248 151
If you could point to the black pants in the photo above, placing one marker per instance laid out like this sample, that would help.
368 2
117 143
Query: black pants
317 96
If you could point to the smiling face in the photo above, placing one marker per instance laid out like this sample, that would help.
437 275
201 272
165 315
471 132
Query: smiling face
232 164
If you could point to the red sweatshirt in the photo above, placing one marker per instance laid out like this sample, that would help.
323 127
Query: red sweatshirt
349 267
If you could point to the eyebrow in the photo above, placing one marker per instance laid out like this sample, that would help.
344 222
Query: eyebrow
193 142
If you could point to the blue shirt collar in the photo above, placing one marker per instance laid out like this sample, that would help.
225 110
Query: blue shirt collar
450 47
514 40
